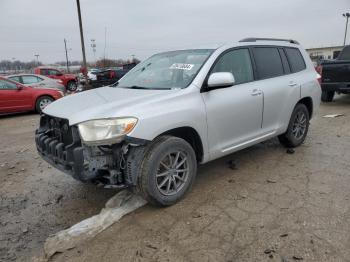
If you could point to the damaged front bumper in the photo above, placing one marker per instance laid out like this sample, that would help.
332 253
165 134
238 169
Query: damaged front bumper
60 145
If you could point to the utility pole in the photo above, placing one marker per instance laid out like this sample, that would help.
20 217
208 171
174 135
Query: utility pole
93 45
346 15
37 59
104 51
82 43
65 47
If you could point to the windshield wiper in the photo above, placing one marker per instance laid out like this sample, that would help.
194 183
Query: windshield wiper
137 87
144 88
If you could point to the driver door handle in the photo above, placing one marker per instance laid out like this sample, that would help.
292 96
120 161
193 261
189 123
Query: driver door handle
256 92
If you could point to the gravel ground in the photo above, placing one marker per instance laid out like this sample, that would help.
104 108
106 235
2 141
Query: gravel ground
267 205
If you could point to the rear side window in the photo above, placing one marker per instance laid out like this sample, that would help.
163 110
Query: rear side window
268 62
295 59
284 61
30 79
16 78
52 72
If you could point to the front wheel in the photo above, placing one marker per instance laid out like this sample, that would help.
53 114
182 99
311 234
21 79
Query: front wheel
42 102
168 171
327 96
297 128
72 86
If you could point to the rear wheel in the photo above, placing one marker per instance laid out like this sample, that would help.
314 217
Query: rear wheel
327 96
168 171
72 86
297 128
42 102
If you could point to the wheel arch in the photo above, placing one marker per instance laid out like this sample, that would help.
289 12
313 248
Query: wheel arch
307 101
191 136
40 96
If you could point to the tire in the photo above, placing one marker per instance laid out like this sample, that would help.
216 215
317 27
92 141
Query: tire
42 102
327 96
72 86
297 128
156 169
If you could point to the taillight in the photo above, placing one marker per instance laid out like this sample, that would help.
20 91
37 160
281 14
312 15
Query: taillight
319 73
319 69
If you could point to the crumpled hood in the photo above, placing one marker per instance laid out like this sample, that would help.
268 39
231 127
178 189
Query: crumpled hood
104 102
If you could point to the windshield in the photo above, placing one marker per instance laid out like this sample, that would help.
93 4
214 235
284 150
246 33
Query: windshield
168 70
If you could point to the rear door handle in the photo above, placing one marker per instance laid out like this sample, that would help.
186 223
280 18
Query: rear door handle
292 83
256 92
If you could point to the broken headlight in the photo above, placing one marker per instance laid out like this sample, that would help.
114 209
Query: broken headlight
106 131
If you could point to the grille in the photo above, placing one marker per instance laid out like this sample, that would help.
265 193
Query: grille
58 129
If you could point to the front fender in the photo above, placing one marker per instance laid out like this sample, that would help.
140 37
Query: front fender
150 126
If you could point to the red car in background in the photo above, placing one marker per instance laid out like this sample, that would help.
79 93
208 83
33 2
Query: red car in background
15 97
68 80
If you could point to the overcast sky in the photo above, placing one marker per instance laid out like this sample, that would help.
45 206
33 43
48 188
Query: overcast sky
144 27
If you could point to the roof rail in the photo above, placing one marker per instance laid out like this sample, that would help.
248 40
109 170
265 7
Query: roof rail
254 39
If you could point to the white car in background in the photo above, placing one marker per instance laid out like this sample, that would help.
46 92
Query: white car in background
37 81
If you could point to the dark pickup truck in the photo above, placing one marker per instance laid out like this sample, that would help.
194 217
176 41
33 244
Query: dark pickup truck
335 75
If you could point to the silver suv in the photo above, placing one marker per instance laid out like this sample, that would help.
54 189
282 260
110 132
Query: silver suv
149 131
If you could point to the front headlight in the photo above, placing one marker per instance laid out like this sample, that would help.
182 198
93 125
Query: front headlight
106 131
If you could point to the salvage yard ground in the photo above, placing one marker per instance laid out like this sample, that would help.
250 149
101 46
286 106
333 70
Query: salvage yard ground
266 205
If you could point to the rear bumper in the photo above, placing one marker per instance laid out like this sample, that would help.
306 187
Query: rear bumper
338 87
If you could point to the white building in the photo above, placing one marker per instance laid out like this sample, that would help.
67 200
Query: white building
328 52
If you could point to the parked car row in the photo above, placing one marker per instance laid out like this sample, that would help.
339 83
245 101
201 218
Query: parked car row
21 91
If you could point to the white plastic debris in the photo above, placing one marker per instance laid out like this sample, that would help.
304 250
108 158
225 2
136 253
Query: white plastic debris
116 207
333 115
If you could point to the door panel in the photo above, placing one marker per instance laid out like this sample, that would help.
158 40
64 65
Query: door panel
281 88
234 114
280 96
13 99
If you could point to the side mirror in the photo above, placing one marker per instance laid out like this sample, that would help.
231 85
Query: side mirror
220 80
59 74
19 87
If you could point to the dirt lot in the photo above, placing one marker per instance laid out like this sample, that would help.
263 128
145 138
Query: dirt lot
272 206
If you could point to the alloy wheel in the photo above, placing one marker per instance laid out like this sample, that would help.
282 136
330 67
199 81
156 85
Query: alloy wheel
299 125
172 173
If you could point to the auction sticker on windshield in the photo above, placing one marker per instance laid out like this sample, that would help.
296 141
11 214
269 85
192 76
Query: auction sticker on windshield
182 66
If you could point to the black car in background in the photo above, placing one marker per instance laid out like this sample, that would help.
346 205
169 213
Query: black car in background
108 76
335 75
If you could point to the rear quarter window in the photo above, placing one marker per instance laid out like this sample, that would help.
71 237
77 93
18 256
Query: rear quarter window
16 78
296 60
268 62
